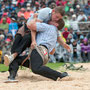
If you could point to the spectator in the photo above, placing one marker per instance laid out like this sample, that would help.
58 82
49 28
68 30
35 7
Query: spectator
5 15
21 12
36 7
71 12
67 22
52 5
68 6
49 2
87 10
89 2
21 2
77 9
60 2
75 54
28 13
13 26
75 4
81 17
85 50
4 25
74 23
65 33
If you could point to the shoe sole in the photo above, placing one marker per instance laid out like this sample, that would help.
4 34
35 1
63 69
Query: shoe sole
6 60
11 81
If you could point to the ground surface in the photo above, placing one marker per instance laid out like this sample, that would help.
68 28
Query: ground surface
29 81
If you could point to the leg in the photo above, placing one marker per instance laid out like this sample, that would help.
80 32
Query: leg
38 68
14 66
20 46
25 42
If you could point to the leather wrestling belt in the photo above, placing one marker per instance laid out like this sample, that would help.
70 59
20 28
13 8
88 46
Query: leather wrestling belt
43 51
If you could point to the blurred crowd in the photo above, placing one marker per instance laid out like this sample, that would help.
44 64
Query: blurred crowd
76 32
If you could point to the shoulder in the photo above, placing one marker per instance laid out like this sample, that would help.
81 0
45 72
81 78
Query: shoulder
44 9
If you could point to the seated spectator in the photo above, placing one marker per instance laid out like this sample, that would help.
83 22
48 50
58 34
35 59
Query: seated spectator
89 2
21 2
75 54
13 27
87 10
65 33
81 17
67 21
28 13
85 50
70 37
5 15
68 6
74 23
80 41
71 12
67 55
52 5
77 9
75 4
4 25
60 2
36 7
49 2
22 11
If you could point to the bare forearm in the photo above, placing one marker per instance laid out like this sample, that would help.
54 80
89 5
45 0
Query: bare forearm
33 36
61 41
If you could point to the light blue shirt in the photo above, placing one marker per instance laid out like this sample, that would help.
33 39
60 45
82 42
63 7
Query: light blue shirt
46 35
43 15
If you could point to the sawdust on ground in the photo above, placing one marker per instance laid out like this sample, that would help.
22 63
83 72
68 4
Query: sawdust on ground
29 81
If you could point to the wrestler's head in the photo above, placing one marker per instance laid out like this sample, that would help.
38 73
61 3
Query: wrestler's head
57 13
59 24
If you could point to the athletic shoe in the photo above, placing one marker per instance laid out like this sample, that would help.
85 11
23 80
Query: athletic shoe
8 59
11 81
64 74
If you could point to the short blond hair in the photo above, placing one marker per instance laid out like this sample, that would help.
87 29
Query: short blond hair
60 9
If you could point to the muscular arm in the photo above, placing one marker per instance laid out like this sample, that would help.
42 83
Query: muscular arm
61 42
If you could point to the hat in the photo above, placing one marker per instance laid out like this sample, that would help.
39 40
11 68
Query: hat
74 15
2 35
77 6
13 18
28 4
28 8
36 3
22 9
71 10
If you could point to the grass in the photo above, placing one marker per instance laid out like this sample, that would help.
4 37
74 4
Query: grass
3 68
54 66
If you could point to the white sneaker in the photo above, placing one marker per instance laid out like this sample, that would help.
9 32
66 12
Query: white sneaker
11 81
8 59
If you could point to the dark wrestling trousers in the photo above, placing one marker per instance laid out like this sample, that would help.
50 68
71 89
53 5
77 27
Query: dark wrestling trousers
21 43
36 63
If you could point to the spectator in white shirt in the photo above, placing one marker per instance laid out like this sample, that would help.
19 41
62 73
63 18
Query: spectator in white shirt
81 17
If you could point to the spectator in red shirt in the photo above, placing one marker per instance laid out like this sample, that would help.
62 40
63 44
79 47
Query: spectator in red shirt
60 2
65 33
5 15
21 12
